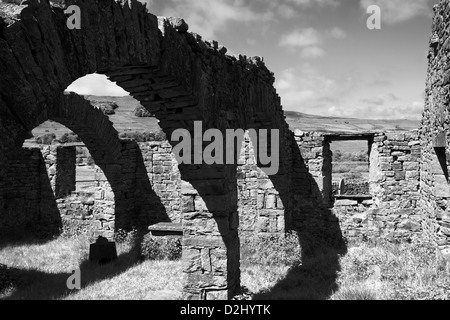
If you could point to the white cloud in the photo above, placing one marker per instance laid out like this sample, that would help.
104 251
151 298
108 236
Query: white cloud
337 33
376 101
209 17
293 8
387 110
309 41
96 84
299 39
212 16
395 11
312 52
320 3
286 11
303 87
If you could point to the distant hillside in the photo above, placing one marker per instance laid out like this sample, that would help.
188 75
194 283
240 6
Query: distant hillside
124 120
308 122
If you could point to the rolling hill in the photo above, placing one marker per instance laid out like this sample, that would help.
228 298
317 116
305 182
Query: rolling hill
124 120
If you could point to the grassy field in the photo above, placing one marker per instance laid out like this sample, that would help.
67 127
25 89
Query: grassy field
271 270
345 170
40 271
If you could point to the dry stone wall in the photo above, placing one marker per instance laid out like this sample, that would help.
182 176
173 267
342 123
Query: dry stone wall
29 202
390 208
260 207
435 133
149 170
165 179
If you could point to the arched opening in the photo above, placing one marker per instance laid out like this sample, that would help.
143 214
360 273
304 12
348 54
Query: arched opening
83 195
176 76
95 84
81 131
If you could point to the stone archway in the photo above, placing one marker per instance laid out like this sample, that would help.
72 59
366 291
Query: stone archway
176 76
107 150
116 204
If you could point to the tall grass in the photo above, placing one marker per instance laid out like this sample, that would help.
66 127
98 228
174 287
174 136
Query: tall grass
368 271
386 271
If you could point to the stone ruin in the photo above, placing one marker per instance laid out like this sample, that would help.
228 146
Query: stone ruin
181 78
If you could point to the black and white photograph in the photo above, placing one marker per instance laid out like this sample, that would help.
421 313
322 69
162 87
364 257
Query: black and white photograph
240 152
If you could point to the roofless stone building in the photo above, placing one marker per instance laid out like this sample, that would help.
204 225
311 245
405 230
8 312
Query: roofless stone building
181 78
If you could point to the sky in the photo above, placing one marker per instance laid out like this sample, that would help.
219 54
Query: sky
325 59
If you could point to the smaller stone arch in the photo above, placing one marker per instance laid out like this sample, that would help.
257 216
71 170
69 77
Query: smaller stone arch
90 124
110 153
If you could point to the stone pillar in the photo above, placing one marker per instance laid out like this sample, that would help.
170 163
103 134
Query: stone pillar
211 241
376 166
3 164
65 180
327 173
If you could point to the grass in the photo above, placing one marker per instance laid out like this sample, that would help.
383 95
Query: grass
368 271
271 269
40 271
150 280
387 271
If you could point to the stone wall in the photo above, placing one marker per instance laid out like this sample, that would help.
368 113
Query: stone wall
316 154
395 170
160 194
164 176
435 133
66 169
149 170
390 208
30 206
260 207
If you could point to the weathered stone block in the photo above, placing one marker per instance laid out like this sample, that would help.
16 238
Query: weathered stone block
395 136
400 175
411 166
441 186
345 203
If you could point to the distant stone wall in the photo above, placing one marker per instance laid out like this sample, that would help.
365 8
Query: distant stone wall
350 187
162 171
94 209
317 157
149 169
389 209
392 212
154 178
260 207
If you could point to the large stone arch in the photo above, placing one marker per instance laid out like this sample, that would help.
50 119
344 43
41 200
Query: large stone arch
175 75
119 200
96 131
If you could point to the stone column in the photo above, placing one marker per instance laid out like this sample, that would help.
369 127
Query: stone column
211 241
3 163
65 180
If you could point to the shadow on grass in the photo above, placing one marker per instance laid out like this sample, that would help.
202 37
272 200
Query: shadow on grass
319 234
38 285
314 279
22 238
